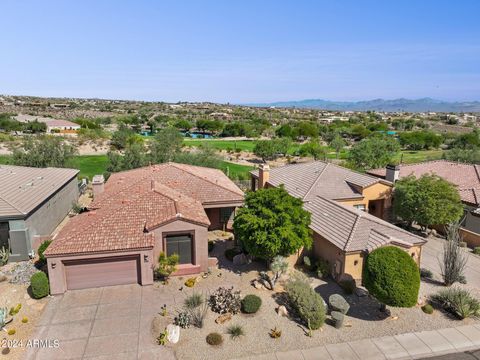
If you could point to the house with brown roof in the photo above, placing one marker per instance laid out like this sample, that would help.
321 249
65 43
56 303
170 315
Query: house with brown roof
136 215
33 202
347 211
465 177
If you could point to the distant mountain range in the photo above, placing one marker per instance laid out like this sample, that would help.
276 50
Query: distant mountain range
407 105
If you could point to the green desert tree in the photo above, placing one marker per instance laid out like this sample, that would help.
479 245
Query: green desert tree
166 144
43 151
313 149
374 152
272 223
337 144
428 200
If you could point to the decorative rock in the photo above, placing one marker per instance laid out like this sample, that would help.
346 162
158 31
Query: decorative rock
173 333
3 277
361 292
258 285
223 318
240 259
282 311
338 318
338 303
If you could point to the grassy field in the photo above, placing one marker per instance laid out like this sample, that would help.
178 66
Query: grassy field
90 165
244 145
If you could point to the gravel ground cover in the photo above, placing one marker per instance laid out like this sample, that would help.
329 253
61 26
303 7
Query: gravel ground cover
364 319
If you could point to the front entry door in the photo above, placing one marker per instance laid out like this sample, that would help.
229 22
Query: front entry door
180 245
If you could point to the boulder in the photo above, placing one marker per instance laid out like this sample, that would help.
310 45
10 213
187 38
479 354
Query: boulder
282 311
338 303
223 318
240 259
3 277
173 333
337 318
361 292
258 285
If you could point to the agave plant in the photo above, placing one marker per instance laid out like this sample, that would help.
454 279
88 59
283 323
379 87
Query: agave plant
4 317
4 255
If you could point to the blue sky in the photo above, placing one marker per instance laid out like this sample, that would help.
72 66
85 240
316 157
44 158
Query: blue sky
241 51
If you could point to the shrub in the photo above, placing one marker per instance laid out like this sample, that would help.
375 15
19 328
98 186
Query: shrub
425 273
338 303
348 285
338 318
225 300
251 304
190 282
166 265
392 276
214 339
458 302
193 301
41 249
427 309
232 252
39 285
235 331
183 319
454 257
197 314
476 250
323 268
24 320
15 310
4 255
306 302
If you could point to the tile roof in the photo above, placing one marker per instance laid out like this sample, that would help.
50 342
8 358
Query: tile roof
319 178
137 201
351 229
465 176
22 189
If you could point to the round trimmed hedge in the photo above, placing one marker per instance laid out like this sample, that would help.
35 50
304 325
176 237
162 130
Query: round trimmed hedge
392 276
39 285
251 304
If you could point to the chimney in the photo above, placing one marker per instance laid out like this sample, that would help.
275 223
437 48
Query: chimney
392 173
263 175
98 185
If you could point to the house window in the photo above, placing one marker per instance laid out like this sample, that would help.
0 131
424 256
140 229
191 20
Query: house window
360 207
182 245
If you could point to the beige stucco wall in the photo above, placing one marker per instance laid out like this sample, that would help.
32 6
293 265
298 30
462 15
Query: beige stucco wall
56 268
373 192
200 238
327 251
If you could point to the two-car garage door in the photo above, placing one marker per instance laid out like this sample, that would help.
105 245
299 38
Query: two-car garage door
88 273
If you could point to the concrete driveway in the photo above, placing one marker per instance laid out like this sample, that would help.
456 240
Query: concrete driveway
432 251
103 323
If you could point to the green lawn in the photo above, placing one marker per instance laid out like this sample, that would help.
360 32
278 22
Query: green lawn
244 145
408 157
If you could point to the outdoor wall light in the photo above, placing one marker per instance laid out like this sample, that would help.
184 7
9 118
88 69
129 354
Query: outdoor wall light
355 262
54 265
145 258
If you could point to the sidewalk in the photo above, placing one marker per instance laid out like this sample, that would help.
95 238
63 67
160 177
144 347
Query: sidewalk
405 346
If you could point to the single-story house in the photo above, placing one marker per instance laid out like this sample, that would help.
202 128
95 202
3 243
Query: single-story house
136 215
53 125
347 211
33 202
466 177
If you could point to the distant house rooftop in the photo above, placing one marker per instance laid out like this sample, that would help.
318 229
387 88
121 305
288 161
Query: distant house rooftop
22 189
466 177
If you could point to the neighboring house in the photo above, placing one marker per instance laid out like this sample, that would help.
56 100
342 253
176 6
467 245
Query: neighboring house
53 125
33 201
136 215
346 209
466 177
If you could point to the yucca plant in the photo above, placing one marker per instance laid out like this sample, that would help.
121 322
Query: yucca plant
235 331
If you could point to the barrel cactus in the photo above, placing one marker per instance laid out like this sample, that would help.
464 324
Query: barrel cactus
338 303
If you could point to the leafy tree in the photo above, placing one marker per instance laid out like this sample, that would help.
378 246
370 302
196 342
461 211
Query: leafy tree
271 149
468 141
337 144
313 149
7 123
166 144
418 140
272 223
429 200
392 277
44 151
306 129
471 156
183 124
122 137
205 156
374 152
35 127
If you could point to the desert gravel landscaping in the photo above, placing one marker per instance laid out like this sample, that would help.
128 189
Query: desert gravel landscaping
364 319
